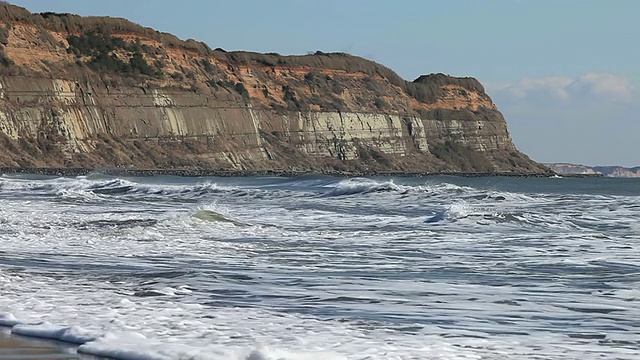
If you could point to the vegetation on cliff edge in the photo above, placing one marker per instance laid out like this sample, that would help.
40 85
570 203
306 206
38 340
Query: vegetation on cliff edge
102 53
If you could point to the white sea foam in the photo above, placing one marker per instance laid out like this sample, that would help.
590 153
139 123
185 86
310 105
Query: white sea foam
71 334
7 319
137 347
362 186
360 274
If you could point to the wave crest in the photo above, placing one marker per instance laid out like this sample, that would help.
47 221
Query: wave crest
356 186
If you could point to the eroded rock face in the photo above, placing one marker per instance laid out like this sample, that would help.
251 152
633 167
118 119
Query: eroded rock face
93 92
610 171
572 169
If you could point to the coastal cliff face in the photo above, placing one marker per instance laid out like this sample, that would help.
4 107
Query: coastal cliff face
618 171
95 92
572 169
609 171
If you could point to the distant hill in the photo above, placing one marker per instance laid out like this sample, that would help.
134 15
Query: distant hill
610 171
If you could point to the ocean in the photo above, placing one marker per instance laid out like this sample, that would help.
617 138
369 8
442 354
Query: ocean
317 267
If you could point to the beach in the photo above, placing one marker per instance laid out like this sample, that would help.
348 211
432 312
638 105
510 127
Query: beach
17 347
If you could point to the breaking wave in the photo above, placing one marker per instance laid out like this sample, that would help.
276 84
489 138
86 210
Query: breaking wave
95 189
266 268
135 346
357 186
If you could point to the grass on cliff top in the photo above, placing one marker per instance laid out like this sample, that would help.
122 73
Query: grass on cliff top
101 48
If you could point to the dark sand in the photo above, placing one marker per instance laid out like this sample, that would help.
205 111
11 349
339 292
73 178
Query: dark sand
19 347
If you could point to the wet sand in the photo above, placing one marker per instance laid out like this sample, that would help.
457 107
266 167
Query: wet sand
18 347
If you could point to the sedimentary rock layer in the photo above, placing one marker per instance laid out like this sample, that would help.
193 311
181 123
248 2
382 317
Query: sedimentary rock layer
95 92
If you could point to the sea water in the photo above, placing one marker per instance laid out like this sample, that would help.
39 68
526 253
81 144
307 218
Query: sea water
264 268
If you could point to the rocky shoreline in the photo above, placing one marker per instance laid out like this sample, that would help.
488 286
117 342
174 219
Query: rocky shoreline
243 173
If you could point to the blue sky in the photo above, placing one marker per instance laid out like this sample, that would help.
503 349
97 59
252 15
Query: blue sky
565 73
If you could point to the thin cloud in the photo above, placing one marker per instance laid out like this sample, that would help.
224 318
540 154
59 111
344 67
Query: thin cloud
586 87
605 84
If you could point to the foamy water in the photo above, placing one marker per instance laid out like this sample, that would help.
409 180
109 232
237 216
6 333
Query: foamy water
324 268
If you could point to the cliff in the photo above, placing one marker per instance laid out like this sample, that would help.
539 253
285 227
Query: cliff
97 91
572 169
609 171
618 171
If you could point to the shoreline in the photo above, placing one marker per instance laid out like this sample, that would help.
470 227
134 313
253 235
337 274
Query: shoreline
14 346
246 173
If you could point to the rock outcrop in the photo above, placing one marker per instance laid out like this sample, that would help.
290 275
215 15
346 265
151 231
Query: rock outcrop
97 91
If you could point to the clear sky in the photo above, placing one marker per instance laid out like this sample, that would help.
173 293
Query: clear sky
565 73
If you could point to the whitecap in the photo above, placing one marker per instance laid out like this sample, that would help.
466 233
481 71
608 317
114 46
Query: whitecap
70 334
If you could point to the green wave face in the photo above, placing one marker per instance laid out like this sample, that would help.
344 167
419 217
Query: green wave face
212 216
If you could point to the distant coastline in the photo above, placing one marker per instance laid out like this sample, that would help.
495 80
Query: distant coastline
567 169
